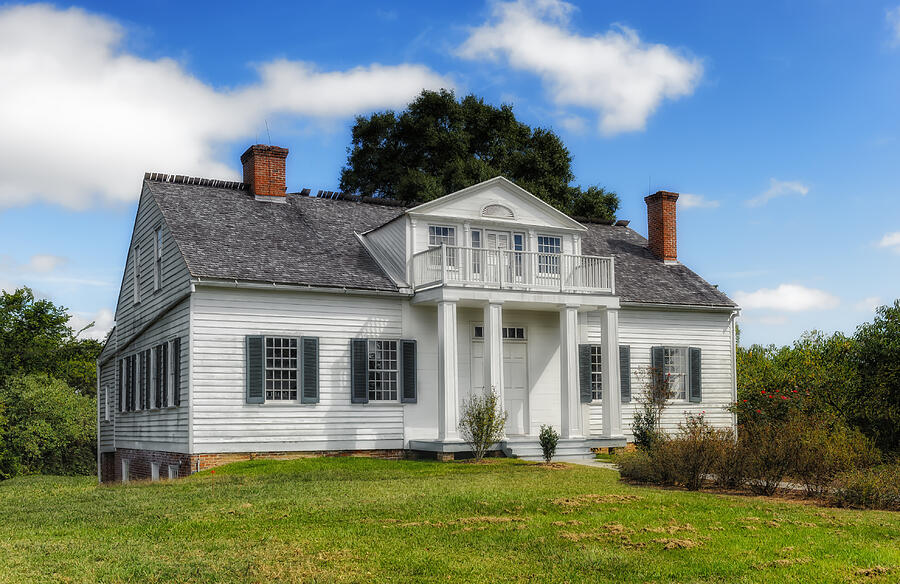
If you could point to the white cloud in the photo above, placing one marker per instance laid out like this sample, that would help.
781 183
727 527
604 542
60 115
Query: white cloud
103 320
893 20
615 73
891 241
83 119
43 263
779 188
787 297
688 201
868 304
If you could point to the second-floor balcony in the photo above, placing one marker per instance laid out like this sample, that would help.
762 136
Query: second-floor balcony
508 269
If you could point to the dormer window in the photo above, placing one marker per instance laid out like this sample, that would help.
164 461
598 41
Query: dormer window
498 211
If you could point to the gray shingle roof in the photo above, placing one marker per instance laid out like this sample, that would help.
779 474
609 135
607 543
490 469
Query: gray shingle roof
225 233
642 277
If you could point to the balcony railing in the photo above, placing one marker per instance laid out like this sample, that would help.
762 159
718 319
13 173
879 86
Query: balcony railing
522 270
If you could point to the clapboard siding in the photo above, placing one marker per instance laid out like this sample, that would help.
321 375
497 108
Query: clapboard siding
388 244
646 328
223 422
106 397
168 310
165 428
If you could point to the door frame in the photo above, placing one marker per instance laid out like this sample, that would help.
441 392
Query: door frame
524 341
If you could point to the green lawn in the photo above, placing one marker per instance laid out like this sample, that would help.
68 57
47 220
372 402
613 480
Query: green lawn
363 520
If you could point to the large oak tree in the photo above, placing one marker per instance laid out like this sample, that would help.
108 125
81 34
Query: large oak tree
439 145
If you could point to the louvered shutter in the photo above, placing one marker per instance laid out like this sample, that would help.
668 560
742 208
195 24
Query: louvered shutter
157 375
176 372
132 361
121 370
625 372
408 367
148 364
656 364
359 371
256 370
142 388
695 393
584 373
309 370
165 374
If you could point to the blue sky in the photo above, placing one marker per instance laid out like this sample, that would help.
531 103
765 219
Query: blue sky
778 122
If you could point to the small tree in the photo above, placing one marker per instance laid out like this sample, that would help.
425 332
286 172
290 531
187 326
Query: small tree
646 427
548 438
482 422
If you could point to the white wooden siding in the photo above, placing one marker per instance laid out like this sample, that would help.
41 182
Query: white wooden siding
223 422
107 383
165 429
388 244
646 328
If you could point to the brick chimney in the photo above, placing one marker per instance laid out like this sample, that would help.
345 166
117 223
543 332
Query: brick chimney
661 225
264 170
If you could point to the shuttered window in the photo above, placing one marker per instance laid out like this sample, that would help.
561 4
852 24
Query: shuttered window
148 388
120 401
625 372
596 373
176 372
383 370
682 367
584 373
282 369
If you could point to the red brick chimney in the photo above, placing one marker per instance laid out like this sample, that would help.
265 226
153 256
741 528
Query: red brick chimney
264 170
661 225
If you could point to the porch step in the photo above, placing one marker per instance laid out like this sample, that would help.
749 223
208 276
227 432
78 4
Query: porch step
528 448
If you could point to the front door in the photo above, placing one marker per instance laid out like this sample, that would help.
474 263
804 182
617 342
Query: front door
515 382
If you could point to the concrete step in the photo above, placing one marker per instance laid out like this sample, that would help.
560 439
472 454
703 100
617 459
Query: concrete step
529 448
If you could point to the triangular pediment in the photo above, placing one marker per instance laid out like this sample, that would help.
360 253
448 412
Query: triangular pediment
497 200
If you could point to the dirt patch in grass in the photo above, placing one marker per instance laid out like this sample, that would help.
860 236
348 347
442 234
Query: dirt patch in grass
477 520
581 500
672 528
873 571
782 563
554 465
677 543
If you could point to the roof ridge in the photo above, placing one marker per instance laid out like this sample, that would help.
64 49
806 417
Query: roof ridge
339 196
193 180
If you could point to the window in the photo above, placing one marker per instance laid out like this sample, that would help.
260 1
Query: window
173 471
136 273
596 373
157 259
675 366
478 333
548 264
513 333
382 370
441 235
518 245
495 210
281 368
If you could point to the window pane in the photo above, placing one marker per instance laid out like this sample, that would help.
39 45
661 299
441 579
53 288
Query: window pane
596 373
281 368
383 364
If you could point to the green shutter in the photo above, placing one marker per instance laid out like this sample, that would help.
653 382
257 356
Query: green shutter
165 374
176 372
256 370
359 371
408 371
147 365
656 364
309 370
157 371
584 373
625 372
695 394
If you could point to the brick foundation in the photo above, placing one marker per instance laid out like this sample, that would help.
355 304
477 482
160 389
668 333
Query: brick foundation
140 461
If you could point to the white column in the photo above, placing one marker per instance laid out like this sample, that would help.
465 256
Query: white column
493 349
448 397
570 404
612 392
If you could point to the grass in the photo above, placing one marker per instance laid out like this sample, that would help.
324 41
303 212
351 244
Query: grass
364 520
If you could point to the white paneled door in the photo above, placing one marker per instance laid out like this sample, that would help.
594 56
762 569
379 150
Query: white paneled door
515 382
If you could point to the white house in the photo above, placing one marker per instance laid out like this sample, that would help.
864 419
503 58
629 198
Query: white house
252 322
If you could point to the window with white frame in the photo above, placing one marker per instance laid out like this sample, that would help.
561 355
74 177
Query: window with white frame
519 246
382 370
136 272
514 333
549 247
281 368
596 373
157 258
439 235
476 254
675 366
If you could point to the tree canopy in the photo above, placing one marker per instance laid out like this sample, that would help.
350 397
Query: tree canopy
439 145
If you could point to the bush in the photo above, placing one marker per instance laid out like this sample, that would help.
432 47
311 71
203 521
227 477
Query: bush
827 447
647 417
876 488
730 467
636 466
548 438
771 450
695 451
482 422
45 427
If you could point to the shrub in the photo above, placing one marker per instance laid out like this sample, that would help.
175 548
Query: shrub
876 488
730 467
827 447
694 452
45 427
482 422
636 466
770 450
647 417
548 438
